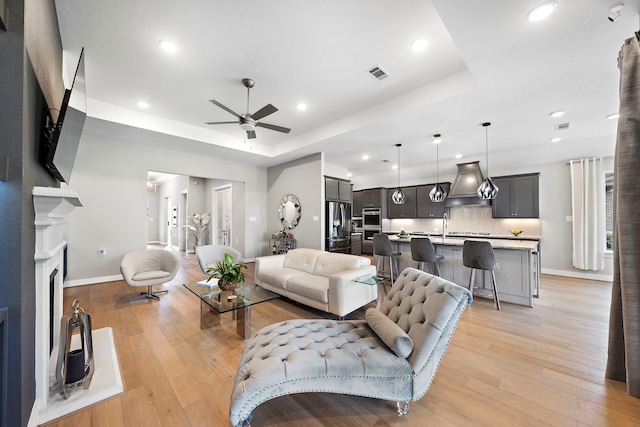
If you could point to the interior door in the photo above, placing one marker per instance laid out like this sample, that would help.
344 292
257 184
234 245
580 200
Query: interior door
222 215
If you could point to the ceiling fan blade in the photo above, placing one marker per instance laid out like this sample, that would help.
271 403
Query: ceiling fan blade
251 134
224 107
221 123
273 127
264 112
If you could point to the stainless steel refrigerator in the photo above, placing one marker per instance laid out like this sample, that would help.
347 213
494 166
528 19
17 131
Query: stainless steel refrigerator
338 227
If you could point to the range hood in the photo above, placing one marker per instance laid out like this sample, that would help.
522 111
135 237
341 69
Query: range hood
464 188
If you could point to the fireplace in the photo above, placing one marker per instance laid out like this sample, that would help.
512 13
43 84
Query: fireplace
52 206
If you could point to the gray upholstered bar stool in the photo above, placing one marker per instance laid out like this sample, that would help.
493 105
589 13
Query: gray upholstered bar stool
382 248
422 251
479 255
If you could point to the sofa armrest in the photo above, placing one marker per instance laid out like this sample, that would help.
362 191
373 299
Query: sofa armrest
268 262
345 295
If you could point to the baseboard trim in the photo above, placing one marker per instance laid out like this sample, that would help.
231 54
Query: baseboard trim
578 275
92 280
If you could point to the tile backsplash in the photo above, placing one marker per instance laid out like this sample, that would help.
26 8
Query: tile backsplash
477 219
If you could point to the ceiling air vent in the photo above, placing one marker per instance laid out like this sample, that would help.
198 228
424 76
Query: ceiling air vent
563 126
378 73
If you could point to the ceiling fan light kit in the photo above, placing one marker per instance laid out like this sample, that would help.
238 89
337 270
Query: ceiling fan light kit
248 122
487 190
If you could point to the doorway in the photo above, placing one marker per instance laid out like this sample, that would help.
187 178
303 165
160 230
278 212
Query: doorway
222 214
167 222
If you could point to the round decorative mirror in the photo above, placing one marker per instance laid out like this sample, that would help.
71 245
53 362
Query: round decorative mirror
289 211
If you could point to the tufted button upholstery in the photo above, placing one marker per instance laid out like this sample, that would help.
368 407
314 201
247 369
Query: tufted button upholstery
317 355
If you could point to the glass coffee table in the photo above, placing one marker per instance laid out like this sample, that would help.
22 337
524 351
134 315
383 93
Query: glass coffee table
375 281
214 302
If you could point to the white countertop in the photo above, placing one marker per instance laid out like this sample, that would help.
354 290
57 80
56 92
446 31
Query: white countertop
500 243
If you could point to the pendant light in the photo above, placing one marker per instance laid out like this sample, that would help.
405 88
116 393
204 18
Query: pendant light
437 193
398 197
487 189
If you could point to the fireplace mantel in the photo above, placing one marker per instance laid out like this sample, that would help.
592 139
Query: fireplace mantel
52 207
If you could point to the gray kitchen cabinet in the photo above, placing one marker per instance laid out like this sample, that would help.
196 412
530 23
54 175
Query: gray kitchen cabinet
372 198
357 203
425 208
407 209
451 267
517 196
337 189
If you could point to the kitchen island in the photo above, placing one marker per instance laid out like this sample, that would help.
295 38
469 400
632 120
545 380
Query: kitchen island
517 278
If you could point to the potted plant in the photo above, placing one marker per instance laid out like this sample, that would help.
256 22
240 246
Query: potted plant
228 273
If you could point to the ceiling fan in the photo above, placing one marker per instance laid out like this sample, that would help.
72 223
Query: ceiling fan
249 122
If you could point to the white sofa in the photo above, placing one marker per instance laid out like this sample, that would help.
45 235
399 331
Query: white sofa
322 280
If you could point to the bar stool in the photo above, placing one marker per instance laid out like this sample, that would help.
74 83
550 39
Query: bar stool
382 248
423 252
479 256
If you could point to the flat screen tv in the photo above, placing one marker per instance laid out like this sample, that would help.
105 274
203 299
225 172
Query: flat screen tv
64 136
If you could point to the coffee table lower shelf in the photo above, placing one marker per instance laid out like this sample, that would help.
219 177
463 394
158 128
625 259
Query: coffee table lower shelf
214 302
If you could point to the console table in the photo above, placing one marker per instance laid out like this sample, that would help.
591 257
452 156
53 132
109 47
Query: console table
281 245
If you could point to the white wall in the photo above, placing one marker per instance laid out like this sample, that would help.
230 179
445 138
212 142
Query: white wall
303 178
555 207
110 178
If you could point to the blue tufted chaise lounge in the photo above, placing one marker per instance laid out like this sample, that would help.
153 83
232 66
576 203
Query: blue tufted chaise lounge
392 355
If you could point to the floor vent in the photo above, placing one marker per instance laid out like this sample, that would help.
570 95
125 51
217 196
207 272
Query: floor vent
563 126
378 73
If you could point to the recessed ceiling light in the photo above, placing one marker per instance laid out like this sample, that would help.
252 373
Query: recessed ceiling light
613 116
558 113
556 139
541 11
419 45
394 167
365 157
458 156
349 174
168 46
301 106
142 104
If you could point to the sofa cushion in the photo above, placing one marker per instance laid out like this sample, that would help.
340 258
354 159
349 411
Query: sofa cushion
277 276
390 333
332 263
310 286
302 259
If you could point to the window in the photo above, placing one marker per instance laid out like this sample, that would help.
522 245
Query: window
608 197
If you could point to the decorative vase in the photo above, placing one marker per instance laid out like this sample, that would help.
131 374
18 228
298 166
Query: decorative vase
227 286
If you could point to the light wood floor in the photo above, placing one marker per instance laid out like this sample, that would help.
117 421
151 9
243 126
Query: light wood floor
515 367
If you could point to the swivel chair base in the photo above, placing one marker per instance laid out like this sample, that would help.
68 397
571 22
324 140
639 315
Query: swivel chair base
149 294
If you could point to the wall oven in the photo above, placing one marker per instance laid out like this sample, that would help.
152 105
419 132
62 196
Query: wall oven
372 218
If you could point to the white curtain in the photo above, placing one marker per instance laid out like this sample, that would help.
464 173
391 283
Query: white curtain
588 210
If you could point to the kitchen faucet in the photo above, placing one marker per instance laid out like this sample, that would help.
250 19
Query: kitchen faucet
444 225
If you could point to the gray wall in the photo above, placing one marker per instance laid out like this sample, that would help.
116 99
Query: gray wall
303 178
110 178
555 207
20 118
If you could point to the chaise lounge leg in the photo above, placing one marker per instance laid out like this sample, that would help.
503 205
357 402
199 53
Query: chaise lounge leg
403 408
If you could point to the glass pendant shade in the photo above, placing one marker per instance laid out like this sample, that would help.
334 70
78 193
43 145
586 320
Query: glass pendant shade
437 194
487 190
398 197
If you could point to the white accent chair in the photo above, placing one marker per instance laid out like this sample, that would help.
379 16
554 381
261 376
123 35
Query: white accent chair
149 267
209 255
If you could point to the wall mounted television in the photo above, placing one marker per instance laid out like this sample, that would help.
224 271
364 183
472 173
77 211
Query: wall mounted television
63 137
